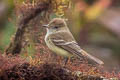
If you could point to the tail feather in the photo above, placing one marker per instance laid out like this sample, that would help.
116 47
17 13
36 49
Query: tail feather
90 57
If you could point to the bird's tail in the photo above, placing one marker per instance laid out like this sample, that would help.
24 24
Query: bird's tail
91 58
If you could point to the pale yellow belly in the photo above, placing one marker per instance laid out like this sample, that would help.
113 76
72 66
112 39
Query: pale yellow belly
56 49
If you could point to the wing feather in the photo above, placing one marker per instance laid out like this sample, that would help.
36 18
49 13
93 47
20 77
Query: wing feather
68 43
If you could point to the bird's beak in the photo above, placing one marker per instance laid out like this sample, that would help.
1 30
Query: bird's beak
46 26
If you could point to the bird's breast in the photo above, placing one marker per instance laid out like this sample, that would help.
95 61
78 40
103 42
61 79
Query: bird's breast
55 48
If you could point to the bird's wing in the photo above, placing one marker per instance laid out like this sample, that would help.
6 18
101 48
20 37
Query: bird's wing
66 41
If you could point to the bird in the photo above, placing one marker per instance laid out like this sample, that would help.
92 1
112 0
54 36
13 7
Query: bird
60 40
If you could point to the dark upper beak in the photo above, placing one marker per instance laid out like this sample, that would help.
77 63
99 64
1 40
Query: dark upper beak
46 26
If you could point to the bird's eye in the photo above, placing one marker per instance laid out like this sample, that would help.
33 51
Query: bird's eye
56 27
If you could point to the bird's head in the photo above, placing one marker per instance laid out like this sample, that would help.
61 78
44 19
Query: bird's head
55 25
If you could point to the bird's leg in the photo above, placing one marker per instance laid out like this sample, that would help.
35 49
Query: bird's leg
72 59
66 61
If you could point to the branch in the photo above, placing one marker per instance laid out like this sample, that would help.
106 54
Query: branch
16 45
